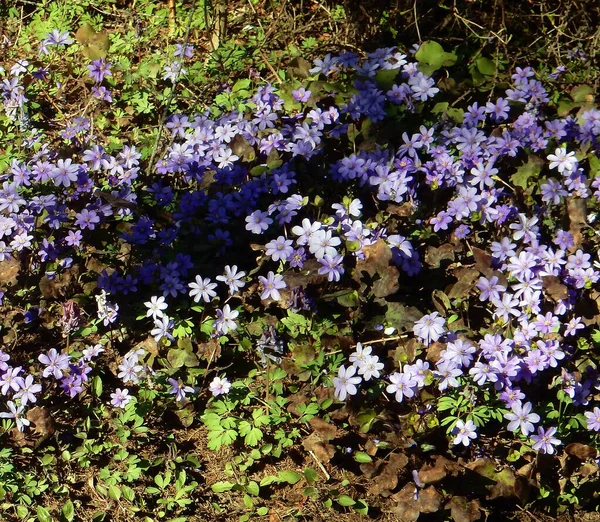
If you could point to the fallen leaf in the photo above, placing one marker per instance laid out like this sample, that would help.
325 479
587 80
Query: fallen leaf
442 467
466 281
322 450
577 213
434 256
581 451
325 430
554 288
387 479
381 274
463 511
9 272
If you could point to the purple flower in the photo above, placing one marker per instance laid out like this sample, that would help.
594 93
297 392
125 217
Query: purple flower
593 419
71 385
28 390
271 286
120 398
429 328
258 222
225 321
87 219
545 441
178 390
464 432
301 95
219 386
332 266
402 384
55 363
279 249
64 173
99 69
521 417
11 380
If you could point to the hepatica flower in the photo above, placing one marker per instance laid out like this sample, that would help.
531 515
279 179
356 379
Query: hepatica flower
345 382
271 286
521 418
545 440
15 414
463 432
202 289
156 306
232 278
120 398
219 386
593 419
429 328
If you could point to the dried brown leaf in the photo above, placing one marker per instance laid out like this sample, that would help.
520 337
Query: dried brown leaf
9 271
434 256
581 451
377 265
322 450
463 511
325 430
554 288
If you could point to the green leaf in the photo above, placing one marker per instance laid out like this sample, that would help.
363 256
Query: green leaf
582 94
262 511
362 457
43 514
345 500
431 57
97 386
68 511
310 475
291 477
253 488
528 170
114 492
269 479
220 487
361 507
128 493
486 66
178 358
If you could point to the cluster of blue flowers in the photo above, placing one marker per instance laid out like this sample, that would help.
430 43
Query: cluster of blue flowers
52 205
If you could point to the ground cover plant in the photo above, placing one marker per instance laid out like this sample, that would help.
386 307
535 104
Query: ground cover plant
360 283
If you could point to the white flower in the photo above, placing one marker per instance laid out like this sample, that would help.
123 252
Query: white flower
202 289
219 386
15 413
464 431
345 383
370 367
566 162
155 306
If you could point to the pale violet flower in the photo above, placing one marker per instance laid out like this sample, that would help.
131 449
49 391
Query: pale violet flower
521 418
345 382
15 413
464 432
219 386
